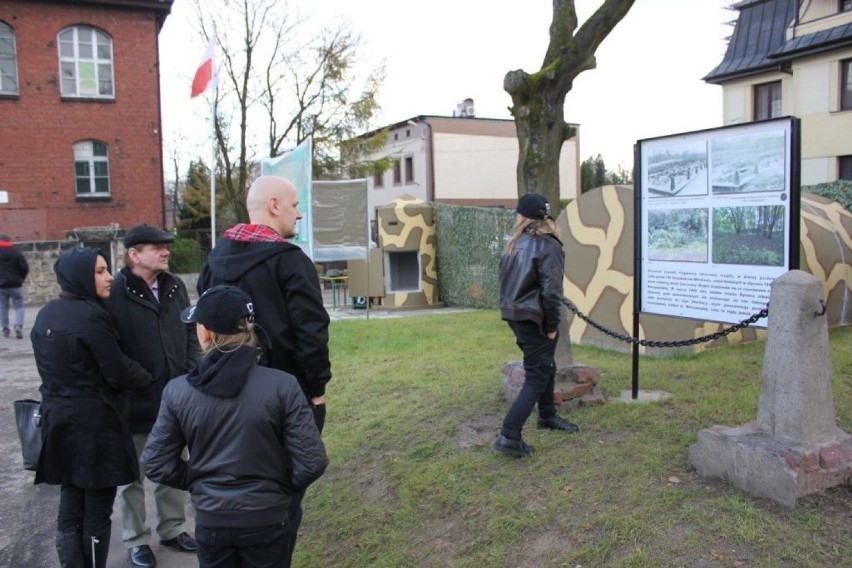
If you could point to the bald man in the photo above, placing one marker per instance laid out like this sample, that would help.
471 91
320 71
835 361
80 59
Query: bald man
284 286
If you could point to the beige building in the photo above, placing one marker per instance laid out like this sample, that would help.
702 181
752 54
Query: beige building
794 58
460 160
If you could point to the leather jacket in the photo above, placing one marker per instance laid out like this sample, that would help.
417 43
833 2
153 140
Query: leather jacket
531 281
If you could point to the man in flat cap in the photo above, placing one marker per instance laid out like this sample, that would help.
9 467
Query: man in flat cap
147 301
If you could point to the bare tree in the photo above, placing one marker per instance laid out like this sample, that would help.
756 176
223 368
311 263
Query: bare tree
538 99
276 90
319 100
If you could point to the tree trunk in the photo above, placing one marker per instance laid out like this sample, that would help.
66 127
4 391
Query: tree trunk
538 99
538 105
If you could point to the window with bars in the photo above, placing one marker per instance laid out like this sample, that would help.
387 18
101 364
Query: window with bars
85 63
91 169
8 61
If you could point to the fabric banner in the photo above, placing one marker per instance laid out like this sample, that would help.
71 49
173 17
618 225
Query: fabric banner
341 221
296 167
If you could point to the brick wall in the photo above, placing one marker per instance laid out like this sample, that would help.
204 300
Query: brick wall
39 127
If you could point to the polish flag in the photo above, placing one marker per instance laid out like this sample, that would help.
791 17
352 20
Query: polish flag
205 75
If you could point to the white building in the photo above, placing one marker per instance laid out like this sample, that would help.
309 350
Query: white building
460 160
794 58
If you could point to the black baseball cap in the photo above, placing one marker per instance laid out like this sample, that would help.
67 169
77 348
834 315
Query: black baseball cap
534 206
220 309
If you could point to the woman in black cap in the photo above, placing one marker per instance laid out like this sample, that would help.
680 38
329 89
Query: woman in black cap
250 433
87 449
531 272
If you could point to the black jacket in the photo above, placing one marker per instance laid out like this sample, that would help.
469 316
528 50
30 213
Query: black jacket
284 286
531 281
13 266
87 441
251 438
152 334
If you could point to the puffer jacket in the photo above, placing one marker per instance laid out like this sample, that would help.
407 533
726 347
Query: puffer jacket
153 335
531 281
251 438
87 441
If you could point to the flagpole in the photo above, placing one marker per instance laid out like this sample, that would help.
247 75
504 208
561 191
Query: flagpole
213 154
213 169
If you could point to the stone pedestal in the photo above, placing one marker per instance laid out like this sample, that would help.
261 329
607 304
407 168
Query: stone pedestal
575 385
794 448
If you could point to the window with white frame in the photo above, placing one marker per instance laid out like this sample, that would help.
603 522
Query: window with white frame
91 169
8 61
846 84
409 169
767 100
85 63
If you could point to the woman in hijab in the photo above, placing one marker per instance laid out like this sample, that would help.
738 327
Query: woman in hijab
88 450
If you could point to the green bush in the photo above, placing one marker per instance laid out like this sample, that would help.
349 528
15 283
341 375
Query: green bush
839 191
186 256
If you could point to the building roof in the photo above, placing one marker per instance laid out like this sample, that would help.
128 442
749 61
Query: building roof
758 36
818 41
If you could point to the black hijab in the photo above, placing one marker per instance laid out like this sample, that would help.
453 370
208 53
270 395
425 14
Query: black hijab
75 272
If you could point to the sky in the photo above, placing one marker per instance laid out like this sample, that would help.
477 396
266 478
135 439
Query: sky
647 82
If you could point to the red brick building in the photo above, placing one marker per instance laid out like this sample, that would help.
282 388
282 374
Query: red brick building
80 136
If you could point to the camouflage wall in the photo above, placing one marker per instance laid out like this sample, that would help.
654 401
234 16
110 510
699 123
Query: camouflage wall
597 231
408 225
599 270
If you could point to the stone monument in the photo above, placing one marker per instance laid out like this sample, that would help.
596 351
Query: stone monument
794 448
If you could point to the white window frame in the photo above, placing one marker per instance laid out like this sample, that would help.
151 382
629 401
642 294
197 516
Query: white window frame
8 61
91 170
409 170
764 99
85 63
846 84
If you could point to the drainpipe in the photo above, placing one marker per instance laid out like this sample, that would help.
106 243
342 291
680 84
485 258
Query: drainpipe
430 153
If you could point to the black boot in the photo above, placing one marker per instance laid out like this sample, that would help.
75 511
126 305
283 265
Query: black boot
96 547
70 550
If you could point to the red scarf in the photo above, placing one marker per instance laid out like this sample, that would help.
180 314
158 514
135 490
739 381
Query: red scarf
246 232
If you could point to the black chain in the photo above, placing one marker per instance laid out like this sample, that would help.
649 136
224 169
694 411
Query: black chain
648 343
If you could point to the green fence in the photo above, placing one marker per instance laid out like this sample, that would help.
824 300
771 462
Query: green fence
470 242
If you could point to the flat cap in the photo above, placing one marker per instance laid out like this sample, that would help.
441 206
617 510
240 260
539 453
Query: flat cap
146 234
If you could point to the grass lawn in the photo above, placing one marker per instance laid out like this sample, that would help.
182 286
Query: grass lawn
415 405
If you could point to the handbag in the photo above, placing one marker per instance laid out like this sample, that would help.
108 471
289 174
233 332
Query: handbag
28 421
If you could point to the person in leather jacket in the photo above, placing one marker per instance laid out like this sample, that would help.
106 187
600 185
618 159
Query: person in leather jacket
531 273
252 439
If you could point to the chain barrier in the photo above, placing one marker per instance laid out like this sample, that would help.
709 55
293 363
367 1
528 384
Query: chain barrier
684 342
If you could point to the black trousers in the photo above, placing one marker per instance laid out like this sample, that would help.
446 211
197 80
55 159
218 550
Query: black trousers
88 510
540 375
